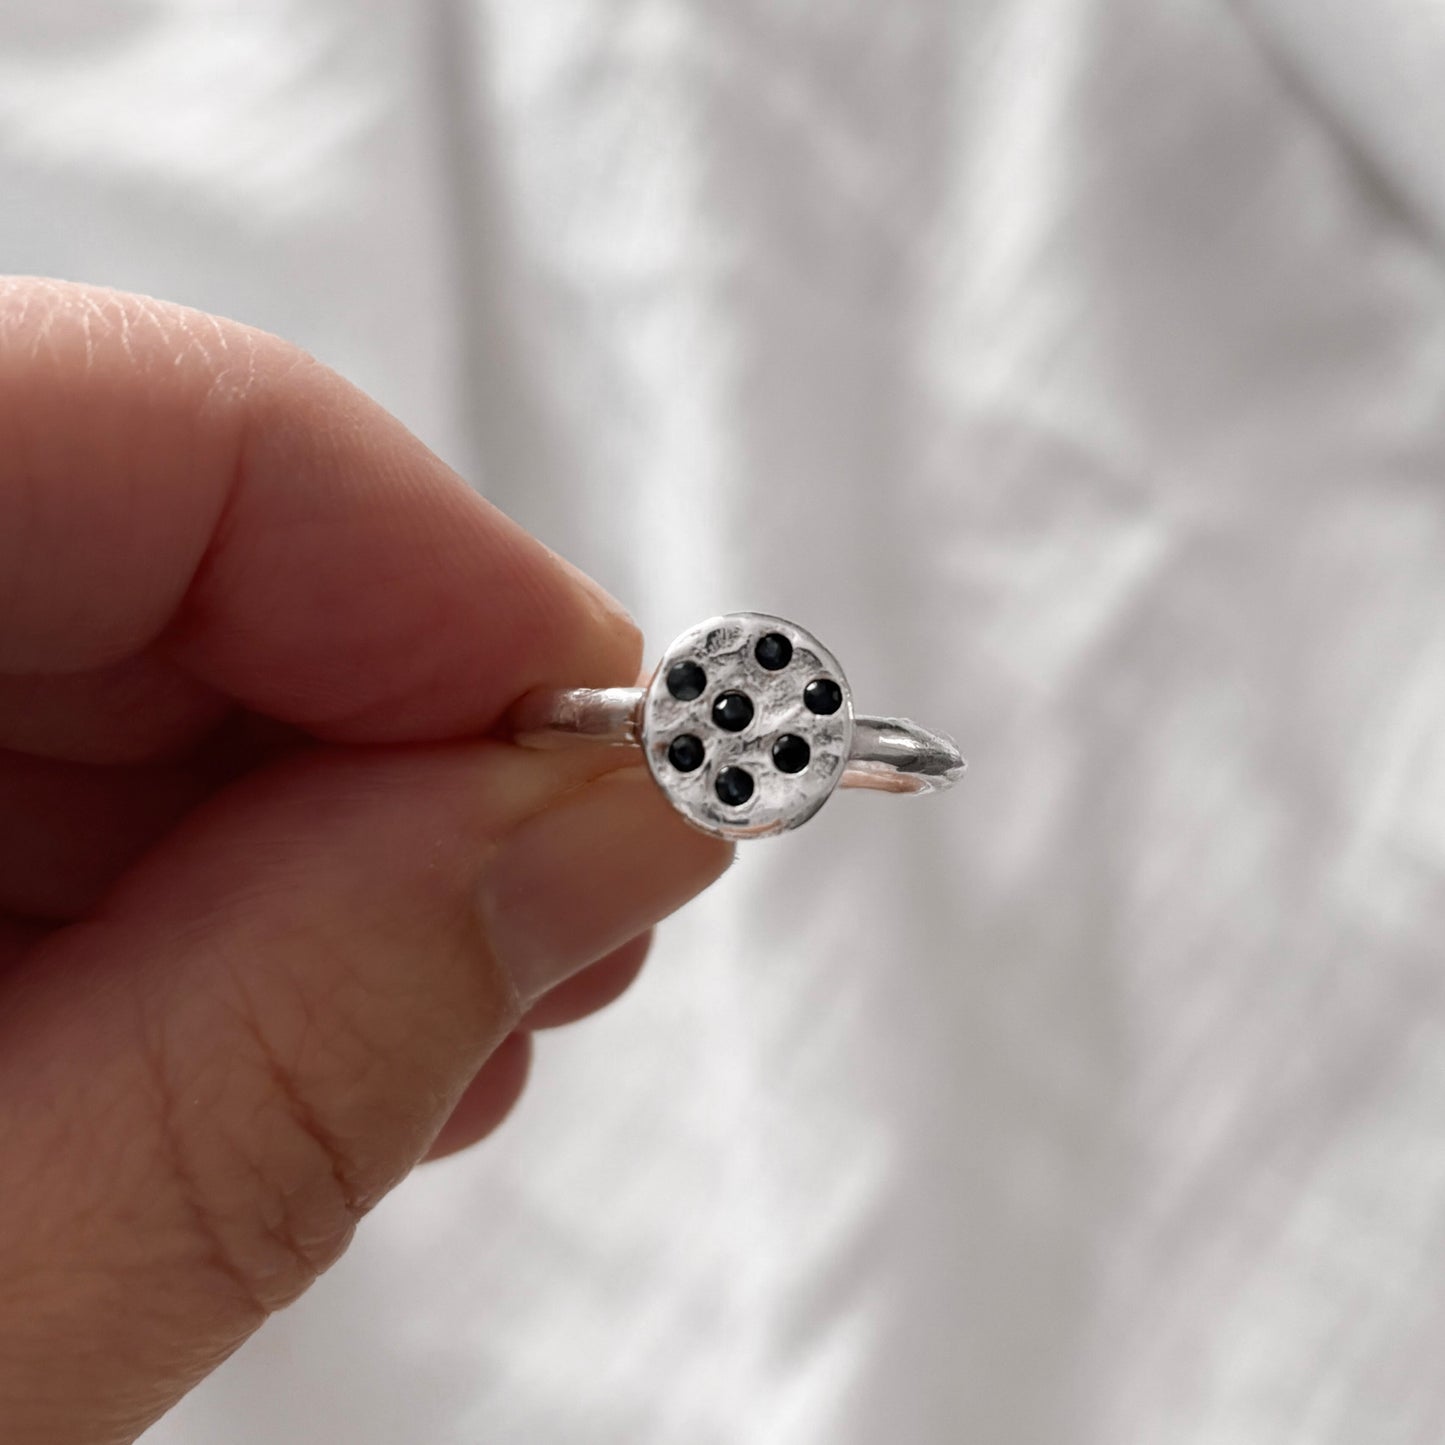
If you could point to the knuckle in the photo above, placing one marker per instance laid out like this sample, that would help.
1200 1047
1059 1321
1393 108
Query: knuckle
265 1193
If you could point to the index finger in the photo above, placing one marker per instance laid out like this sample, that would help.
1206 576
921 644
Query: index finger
173 482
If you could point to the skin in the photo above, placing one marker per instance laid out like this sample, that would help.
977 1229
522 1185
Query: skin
278 909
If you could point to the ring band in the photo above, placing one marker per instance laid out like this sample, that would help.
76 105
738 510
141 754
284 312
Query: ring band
747 725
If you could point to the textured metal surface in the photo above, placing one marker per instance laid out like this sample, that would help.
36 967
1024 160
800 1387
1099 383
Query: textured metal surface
723 648
891 755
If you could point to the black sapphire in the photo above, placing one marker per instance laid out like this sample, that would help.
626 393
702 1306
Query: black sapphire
732 711
773 651
734 786
791 754
686 753
686 680
823 695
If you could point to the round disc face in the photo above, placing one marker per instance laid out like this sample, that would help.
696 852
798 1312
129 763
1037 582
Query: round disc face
756 743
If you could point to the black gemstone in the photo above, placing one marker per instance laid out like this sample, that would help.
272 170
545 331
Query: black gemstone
823 695
732 711
791 753
773 651
686 680
734 786
686 753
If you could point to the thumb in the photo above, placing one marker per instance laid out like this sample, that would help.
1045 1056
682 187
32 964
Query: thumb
207 1084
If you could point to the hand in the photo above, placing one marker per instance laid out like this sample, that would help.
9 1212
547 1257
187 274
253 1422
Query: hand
275 917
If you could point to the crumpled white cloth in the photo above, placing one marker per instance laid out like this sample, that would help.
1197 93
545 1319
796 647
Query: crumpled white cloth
1076 370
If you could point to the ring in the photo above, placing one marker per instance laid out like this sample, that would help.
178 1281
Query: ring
747 726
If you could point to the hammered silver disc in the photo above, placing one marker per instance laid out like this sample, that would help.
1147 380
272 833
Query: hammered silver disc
724 648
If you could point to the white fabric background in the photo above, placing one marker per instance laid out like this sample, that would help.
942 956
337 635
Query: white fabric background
1076 369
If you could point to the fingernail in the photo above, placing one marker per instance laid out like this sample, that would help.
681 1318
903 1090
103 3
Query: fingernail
605 601
579 879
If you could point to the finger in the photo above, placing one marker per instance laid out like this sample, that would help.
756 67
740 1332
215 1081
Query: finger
17 937
596 986
228 499
142 708
488 1099
68 830
490 1096
265 1025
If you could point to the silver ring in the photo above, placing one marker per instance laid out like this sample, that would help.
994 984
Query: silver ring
747 726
